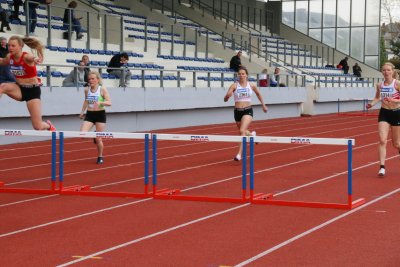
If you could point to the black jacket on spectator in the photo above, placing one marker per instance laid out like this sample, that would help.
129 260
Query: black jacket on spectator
345 65
115 62
3 51
235 63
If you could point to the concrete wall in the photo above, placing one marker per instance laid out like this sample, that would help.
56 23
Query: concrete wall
149 109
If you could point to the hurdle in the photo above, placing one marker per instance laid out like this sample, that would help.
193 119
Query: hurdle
85 190
174 194
364 112
40 191
268 199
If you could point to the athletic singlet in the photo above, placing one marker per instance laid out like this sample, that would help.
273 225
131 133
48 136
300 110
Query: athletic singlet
243 94
389 90
94 97
20 69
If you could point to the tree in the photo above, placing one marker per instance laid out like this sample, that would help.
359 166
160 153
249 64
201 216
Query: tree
388 9
395 47
383 53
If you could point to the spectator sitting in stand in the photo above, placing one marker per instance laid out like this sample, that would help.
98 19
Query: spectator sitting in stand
3 47
5 72
263 78
70 80
274 78
357 71
120 61
236 62
85 59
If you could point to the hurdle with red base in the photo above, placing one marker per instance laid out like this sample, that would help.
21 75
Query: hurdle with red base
174 194
41 191
84 190
268 199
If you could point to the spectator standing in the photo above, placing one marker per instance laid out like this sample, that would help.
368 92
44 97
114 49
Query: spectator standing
120 61
345 65
32 13
4 18
236 62
76 23
275 78
15 14
357 71
71 81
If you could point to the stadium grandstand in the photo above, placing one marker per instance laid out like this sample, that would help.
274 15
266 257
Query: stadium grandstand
179 53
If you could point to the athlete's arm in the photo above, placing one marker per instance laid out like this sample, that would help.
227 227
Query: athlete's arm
259 96
376 98
85 104
106 96
231 89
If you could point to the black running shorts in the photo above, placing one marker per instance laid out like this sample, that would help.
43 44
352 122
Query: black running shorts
391 116
96 116
29 92
240 112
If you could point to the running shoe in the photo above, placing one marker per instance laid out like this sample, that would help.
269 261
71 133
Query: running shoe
254 134
381 172
237 158
52 127
100 160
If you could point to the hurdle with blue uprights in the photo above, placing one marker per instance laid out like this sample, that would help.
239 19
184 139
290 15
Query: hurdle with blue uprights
174 194
53 179
85 189
268 199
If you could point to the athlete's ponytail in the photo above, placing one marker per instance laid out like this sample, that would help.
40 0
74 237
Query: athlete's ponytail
31 42
34 44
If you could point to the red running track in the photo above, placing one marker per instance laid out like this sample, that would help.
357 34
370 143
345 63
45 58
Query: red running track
95 231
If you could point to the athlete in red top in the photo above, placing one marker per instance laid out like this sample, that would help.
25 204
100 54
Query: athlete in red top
27 86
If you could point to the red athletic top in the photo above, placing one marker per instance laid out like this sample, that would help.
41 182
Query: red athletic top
21 69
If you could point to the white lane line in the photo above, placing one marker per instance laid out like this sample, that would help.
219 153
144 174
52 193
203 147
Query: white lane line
291 240
122 245
73 217
187 189
153 235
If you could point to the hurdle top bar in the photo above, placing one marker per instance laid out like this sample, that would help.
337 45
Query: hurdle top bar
303 140
258 139
106 135
110 135
13 132
184 137
199 137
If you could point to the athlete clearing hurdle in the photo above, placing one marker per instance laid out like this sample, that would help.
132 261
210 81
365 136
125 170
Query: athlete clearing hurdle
96 98
243 112
27 86
389 115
